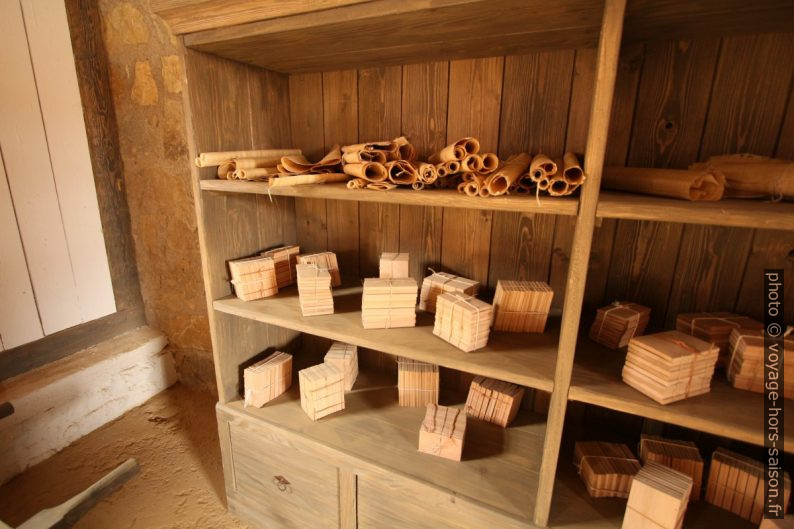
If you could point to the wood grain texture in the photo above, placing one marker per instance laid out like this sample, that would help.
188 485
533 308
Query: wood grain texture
340 123
643 264
672 103
93 78
710 259
348 498
626 84
770 249
307 124
425 89
750 93
379 118
785 145
475 91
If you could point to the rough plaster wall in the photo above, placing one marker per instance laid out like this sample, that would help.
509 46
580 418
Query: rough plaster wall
145 77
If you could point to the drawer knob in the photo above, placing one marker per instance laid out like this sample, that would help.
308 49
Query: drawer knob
282 483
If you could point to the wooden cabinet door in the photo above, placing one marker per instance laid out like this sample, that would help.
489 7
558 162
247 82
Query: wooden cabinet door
279 486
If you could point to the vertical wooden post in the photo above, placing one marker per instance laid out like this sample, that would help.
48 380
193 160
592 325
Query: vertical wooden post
606 71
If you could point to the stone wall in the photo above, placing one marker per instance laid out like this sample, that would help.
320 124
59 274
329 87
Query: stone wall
145 78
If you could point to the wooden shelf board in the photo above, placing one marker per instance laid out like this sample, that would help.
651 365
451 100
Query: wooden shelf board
729 212
573 508
381 32
432 197
724 411
499 466
525 359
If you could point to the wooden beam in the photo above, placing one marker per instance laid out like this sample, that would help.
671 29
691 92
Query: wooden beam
606 72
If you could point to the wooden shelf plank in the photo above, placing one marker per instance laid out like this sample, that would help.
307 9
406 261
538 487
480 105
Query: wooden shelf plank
611 205
725 411
432 197
525 359
350 34
730 212
499 466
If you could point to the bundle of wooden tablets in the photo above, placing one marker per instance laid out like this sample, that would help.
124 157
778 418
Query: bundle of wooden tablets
388 303
324 261
463 320
736 483
285 258
322 390
442 432
417 383
618 323
345 358
267 379
605 468
521 306
314 290
253 277
670 366
440 282
682 456
745 367
393 265
715 327
658 498
493 400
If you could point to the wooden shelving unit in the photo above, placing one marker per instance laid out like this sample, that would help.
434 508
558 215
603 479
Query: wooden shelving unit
249 84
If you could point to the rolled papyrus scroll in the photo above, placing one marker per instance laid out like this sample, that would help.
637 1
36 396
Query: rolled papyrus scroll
541 166
418 185
572 170
452 167
370 171
302 179
427 172
558 187
255 173
490 163
364 156
472 162
685 184
401 172
500 181
751 176
381 186
207 159
300 165
456 151
356 183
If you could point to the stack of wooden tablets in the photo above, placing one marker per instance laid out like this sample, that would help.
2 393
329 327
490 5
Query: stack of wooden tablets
670 366
463 320
285 258
658 498
417 383
314 290
345 357
736 483
393 265
388 303
618 323
715 327
440 282
442 432
521 306
746 362
322 390
326 261
682 456
493 400
605 468
253 277
267 379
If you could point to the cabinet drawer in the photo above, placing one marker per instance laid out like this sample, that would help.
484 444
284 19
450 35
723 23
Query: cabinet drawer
279 486
400 503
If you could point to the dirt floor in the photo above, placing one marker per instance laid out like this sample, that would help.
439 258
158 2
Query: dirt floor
173 436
